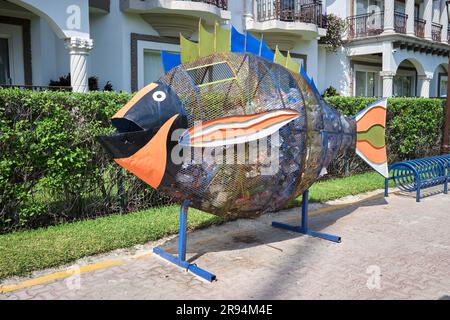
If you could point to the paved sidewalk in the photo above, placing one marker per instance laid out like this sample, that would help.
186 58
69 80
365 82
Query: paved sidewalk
391 248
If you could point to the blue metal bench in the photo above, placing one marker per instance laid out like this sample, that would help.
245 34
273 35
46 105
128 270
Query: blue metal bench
418 174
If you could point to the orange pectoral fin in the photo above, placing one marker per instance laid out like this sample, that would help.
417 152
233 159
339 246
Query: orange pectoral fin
238 129
149 163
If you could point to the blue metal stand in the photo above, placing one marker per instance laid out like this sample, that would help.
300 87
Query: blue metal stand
181 259
304 226
386 187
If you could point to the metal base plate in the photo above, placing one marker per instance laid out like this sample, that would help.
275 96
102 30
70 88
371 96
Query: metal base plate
311 233
199 272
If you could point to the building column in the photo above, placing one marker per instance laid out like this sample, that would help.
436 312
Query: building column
425 81
410 22
79 50
388 83
249 11
428 16
389 6
444 21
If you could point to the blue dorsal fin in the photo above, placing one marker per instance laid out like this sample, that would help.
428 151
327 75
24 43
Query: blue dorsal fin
252 44
304 74
313 85
265 51
237 41
308 79
170 60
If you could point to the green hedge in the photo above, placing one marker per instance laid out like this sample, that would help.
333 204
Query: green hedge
53 170
51 167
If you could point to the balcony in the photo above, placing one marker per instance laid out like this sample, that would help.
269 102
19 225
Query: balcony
400 20
206 6
372 24
288 18
168 17
365 25
419 28
436 31
306 11
222 4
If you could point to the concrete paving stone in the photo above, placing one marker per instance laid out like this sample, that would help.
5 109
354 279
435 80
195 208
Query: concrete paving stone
407 241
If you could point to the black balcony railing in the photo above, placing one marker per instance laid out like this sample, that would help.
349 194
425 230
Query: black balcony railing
324 23
222 4
419 27
307 11
365 25
436 31
400 20
372 24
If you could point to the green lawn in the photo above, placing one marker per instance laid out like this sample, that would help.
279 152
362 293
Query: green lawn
327 190
25 251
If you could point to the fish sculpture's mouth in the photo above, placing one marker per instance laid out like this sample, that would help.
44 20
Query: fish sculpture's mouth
125 144
144 127
144 152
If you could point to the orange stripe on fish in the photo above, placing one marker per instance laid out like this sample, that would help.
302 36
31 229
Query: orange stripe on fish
229 119
231 132
370 143
237 129
374 116
138 96
373 154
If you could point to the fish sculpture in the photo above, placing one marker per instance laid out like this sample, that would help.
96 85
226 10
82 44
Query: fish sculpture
237 129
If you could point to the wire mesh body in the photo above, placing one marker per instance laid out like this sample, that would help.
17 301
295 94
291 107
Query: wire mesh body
415 174
229 84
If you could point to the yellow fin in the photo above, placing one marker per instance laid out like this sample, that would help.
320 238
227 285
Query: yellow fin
189 50
291 64
279 58
223 39
205 41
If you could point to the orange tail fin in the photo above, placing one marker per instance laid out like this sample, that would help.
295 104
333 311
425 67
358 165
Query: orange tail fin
370 144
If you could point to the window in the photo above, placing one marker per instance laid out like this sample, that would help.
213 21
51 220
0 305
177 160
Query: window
287 4
368 6
366 84
416 11
153 68
436 11
442 88
5 77
399 7
403 86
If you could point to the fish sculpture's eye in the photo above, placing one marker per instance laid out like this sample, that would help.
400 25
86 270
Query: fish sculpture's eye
159 96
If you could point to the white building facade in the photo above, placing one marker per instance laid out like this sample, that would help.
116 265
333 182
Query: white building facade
393 48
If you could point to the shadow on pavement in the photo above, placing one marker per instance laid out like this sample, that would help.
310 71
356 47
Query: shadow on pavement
247 233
